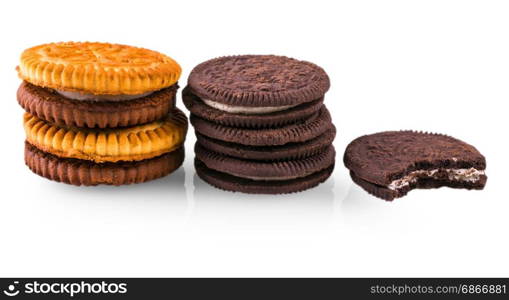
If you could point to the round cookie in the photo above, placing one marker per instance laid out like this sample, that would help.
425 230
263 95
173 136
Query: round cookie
264 120
53 107
293 133
265 171
270 153
97 68
108 145
82 172
390 164
236 184
258 81
388 194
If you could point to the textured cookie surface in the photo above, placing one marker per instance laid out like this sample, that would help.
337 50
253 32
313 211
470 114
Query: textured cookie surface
268 153
293 133
424 183
259 170
237 184
97 68
275 119
82 172
108 145
383 157
258 80
51 106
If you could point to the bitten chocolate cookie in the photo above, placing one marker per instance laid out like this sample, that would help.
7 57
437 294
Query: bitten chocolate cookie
257 83
258 120
49 105
263 177
390 164
293 133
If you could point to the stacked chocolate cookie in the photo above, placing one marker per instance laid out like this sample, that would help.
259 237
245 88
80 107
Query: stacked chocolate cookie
100 113
260 123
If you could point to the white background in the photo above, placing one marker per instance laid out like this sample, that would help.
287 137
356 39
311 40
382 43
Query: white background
439 66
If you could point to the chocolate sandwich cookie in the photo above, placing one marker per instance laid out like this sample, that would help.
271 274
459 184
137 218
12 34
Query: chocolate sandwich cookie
263 177
260 123
227 182
52 106
390 164
270 153
303 131
257 83
82 172
260 120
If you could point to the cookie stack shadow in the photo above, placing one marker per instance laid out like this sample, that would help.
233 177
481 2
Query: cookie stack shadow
99 113
260 123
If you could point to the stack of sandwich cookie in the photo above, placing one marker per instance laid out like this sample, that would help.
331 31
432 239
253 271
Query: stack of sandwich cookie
99 113
260 123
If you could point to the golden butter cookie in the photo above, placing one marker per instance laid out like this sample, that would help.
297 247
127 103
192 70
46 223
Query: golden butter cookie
82 172
108 145
98 68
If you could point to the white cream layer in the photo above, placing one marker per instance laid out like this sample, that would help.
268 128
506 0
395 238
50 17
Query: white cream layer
468 175
245 110
92 97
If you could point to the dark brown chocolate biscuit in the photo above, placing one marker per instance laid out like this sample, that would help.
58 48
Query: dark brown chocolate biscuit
293 133
270 153
237 184
53 107
265 171
424 183
389 164
274 119
258 80
82 172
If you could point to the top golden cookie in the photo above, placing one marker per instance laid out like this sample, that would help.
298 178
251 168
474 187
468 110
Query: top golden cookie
98 68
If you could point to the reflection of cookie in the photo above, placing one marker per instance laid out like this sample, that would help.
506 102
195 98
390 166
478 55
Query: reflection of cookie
274 119
236 184
293 133
389 164
53 107
258 81
119 144
97 68
269 153
82 172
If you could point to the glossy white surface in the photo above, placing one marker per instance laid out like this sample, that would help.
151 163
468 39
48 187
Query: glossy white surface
439 66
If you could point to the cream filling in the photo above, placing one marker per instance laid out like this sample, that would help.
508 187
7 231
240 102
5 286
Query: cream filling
467 175
245 110
89 97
